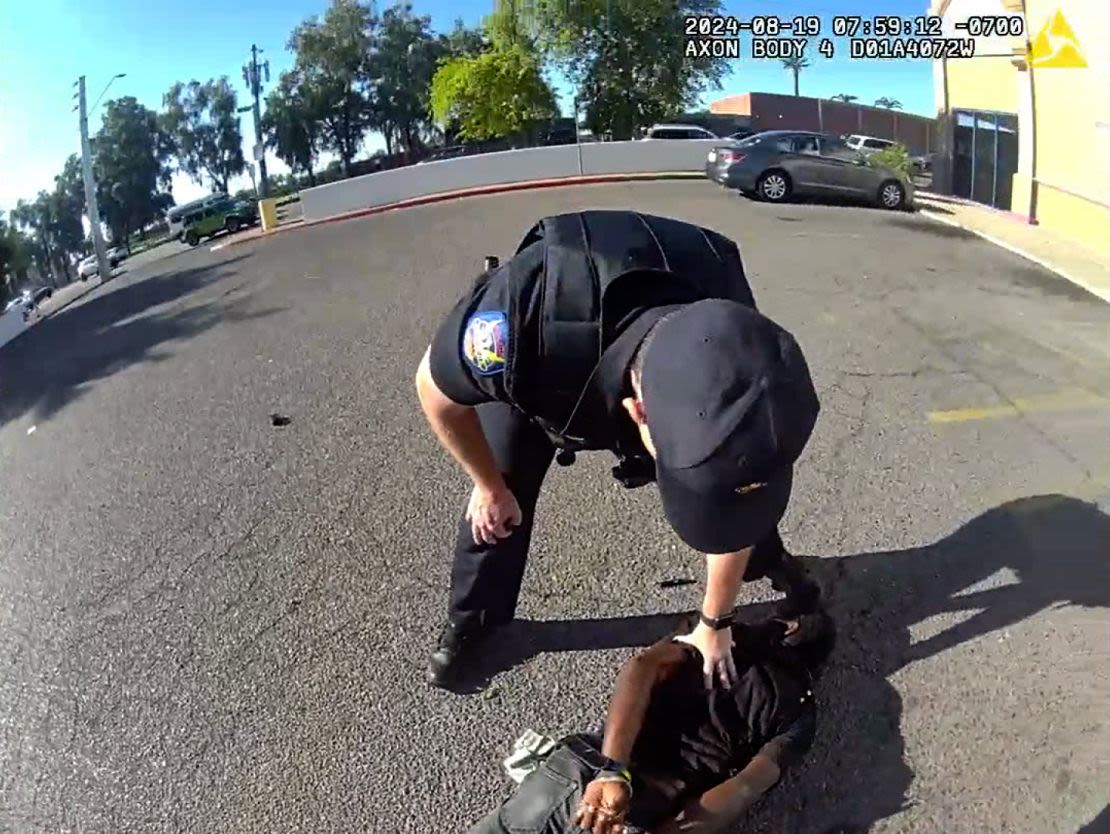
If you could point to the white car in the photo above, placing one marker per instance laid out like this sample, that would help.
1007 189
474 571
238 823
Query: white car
88 268
679 132
868 144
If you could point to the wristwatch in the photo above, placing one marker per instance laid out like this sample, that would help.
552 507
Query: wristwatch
719 623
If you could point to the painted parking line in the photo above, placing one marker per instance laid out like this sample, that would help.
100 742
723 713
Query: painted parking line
1068 400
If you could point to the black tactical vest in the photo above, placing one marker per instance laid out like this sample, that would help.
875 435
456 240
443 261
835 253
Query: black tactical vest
597 267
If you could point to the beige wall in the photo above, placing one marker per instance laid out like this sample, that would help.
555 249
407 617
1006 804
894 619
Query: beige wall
1067 110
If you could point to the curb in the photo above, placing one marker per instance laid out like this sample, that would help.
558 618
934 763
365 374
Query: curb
479 191
1098 292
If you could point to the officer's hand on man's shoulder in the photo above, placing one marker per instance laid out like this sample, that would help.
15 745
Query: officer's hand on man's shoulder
492 514
715 648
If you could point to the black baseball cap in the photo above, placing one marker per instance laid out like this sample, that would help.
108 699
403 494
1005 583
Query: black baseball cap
730 405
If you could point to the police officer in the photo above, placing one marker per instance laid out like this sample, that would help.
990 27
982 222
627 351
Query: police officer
615 330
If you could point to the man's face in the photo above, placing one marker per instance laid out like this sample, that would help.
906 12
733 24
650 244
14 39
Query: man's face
634 405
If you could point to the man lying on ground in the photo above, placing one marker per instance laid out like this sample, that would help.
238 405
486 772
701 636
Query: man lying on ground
680 754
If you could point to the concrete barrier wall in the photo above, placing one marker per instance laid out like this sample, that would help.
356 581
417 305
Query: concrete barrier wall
650 157
502 168
11 325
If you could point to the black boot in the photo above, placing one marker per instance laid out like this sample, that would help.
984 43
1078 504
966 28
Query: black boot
803 594
455 647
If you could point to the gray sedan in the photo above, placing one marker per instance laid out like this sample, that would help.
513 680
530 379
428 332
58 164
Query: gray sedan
778 164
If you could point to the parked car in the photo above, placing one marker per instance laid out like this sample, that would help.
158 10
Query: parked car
778 164
88 268
225 215
679 132
868 144
40 294
118 254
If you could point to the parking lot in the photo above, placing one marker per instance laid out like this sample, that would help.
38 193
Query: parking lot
212 623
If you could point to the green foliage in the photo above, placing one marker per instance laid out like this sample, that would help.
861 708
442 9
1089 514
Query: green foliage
896 158
132 164
290 124
205 127
626 58
847 99
333 60
402 66
462 41
15 259
498 93
888 103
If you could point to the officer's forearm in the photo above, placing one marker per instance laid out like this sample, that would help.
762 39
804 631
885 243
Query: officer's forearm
459 430
725 575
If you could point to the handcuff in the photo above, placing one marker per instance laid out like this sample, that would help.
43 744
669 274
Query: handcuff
718 623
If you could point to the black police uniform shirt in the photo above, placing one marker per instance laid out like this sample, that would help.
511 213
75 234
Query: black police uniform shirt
692 740
470 353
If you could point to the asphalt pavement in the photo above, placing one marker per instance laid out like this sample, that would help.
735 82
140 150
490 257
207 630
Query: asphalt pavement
212 623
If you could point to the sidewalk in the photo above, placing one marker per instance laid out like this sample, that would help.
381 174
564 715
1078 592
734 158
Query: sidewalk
1058 254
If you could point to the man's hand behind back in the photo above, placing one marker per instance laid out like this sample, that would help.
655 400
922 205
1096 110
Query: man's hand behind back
604 806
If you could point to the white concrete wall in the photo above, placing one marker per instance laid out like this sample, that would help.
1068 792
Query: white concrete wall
649 157
502 168
11 325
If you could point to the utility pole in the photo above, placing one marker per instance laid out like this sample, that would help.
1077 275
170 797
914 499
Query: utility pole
91 208
252 75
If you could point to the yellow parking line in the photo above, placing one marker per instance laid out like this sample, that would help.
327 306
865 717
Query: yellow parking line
1069 400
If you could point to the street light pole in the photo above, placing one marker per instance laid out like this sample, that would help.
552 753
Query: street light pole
252 74
91 207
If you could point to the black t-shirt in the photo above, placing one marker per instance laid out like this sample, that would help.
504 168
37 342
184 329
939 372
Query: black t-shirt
692 740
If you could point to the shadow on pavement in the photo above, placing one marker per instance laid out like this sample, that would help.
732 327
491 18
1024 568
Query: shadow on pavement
1099 825
51 365
1017 560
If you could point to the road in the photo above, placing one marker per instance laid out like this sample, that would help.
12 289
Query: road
213 624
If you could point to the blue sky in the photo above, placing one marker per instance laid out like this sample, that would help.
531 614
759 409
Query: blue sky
46 44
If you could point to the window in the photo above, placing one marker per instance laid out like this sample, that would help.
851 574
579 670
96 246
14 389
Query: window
837 149
877 144
805 144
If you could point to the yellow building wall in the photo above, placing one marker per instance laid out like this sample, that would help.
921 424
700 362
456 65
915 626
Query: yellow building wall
983 84
1071 112
1073 128
979 83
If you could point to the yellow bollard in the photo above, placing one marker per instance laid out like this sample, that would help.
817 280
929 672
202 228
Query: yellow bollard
267 210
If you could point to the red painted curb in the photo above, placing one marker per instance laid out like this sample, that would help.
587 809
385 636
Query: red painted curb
477 191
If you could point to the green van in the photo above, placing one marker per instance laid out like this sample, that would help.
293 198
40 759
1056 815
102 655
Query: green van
224 215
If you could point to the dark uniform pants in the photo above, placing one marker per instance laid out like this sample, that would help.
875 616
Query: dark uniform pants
485 578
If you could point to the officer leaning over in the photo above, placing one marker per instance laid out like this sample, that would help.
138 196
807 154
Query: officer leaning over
614 330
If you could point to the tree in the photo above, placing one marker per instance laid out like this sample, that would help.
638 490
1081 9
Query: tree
67 206
40 218
132 159
795 65
205 126
333 58
626 58
290 125
847 99
15 258
499 93
402 67
888 103
462 41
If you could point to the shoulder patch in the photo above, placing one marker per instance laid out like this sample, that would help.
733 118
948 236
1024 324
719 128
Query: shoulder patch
486 342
